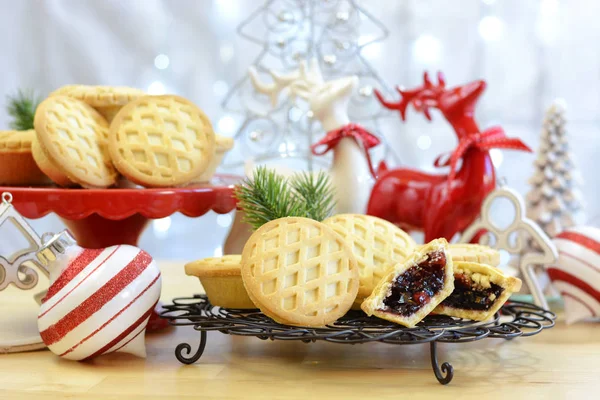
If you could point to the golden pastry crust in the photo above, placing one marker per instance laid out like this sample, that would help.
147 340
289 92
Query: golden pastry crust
228 265
16 141
481 274
357 303
161 141
374 305
222 145
475 253
221 279
300 272
17 165
227 292
72 136
377 245
100 96
47 167
109 112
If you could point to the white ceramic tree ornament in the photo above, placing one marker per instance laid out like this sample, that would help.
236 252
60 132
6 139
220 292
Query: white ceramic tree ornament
351 171
99 301
555 201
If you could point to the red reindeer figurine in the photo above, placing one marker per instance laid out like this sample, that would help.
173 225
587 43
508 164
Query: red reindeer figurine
442 205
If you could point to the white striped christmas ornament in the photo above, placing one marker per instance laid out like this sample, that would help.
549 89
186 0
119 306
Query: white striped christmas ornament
577 272
99 301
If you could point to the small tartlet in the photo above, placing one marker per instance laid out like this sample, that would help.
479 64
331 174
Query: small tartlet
222 145
17 164
222 281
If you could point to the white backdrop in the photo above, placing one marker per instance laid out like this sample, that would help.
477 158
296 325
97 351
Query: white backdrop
530 52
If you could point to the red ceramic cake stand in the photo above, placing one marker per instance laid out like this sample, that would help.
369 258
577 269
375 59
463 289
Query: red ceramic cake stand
100 218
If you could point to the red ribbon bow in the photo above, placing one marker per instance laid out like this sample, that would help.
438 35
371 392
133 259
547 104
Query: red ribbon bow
492 138
363 138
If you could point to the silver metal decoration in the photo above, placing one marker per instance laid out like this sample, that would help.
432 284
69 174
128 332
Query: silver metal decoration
513 239
16 266
19 266
290 31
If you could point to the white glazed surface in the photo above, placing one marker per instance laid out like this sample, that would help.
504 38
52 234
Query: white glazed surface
583 264
350 173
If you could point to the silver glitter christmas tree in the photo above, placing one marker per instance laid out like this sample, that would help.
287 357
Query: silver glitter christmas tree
336 33
554 201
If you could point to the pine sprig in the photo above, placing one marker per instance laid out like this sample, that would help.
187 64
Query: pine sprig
21 107
316 194
268 196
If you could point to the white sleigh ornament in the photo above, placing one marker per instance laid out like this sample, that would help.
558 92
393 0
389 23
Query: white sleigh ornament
99 301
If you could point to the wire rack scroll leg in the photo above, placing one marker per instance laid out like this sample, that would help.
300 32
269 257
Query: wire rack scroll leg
187 349
446 369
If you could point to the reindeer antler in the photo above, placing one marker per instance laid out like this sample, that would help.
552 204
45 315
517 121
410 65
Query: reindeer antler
300 82
280 83
422 97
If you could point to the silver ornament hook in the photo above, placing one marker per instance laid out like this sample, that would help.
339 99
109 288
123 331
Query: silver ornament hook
56 243
7 197
46 237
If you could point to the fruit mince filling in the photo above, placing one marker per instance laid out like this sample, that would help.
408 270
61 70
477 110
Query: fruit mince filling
471 295
415 287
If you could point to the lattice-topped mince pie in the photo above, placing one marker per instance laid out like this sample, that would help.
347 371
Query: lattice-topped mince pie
299 272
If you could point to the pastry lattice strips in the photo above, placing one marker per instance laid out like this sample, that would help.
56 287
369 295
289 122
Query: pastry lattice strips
72 136
161 141
479 291
300 272
377 245
107 100
227 265
414 287
100 96
475 253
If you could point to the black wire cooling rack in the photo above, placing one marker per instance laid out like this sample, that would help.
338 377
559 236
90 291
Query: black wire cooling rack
514 319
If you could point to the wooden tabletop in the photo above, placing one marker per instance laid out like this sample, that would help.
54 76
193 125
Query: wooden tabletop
562 362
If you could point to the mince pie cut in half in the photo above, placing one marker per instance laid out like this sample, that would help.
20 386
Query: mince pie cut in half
414 287
479 291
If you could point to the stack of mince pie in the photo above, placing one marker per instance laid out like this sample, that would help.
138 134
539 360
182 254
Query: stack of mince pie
302 272
456 280
92 136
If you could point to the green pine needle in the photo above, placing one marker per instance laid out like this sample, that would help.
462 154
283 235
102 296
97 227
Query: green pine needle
266 197
316 194
21 107
269 196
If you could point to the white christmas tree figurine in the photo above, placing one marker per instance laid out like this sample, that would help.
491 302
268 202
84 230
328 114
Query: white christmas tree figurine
554 201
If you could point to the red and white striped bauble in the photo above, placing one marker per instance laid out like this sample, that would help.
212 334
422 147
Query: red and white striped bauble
99 302
577 273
